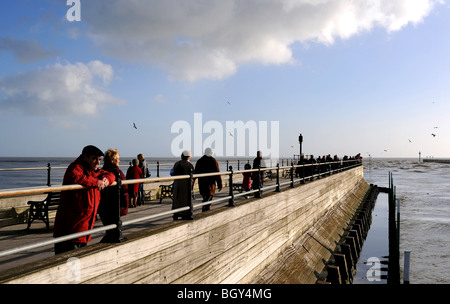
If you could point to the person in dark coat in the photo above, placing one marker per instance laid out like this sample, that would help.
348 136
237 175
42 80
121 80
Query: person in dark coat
182 187
312 168
145 173
77 209
257 178
108 209
134 172
207 185
300 171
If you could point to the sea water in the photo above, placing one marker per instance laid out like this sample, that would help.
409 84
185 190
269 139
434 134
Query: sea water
422 188
423 191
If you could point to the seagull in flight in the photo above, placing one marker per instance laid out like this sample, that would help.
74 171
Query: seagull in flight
134 126
434 135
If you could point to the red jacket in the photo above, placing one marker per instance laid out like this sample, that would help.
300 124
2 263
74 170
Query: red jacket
77 209
133 172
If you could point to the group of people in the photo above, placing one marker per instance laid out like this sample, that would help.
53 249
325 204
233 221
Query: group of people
322 164
77 210
137 170
207 184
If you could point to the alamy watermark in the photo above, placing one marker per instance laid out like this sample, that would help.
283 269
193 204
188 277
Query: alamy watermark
236 138
74 12
374 272
73 273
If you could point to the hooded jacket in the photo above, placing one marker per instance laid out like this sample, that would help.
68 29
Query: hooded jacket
77 209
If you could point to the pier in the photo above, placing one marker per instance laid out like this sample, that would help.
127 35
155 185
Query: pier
436 160
317 226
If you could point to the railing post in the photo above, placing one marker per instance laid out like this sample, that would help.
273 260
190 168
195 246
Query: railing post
303 173
277 189
191 183
259 182
111 215
49 168
292 175
157 169
231 200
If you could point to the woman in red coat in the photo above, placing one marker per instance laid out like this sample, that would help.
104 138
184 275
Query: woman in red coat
134 172
77 209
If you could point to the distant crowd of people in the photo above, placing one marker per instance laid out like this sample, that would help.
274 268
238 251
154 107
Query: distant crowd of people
323 164
77 210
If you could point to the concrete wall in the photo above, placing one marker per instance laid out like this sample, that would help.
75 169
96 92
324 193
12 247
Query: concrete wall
242 244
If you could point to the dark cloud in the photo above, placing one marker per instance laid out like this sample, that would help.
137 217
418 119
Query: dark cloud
26 51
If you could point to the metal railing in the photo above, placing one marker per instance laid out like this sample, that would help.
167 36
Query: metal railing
317 170
158 165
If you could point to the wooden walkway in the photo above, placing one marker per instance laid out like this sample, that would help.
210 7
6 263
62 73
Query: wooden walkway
17 235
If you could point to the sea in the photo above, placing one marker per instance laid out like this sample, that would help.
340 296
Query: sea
422 189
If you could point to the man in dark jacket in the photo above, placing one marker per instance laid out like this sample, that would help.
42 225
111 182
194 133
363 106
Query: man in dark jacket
207 185
77 209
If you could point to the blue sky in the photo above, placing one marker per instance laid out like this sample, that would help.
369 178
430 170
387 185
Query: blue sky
369 77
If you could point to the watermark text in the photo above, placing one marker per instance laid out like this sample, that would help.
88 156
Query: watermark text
74 12
236 138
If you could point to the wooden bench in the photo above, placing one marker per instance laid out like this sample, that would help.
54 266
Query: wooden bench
39 209
238 187
166 191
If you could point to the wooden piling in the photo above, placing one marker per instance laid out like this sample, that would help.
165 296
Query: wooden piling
341 262
334 276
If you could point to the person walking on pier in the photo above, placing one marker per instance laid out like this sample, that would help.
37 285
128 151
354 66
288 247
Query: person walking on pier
258 179
182 187
207 185
77 209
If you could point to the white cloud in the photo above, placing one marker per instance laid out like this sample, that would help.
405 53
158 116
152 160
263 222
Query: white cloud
212 38
59 89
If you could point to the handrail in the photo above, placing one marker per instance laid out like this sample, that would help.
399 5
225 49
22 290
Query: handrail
41 190
26 191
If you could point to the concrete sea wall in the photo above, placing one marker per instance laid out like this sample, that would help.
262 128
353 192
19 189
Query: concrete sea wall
249 243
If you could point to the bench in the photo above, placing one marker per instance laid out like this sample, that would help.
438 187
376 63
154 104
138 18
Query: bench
167 191
39 209
238 187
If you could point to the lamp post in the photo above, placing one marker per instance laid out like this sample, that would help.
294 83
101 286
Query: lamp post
300 140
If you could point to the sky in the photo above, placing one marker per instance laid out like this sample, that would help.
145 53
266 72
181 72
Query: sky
160 76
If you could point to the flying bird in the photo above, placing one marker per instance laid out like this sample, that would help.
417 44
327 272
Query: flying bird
434 135
134 126
231 134
409 140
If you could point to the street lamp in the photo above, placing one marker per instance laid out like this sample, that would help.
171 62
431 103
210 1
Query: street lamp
300 140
